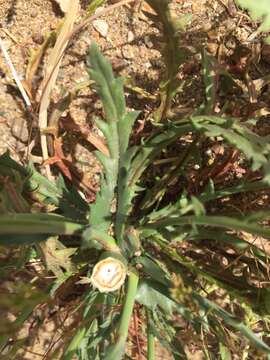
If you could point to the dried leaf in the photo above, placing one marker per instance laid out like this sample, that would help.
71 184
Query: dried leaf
34 62
52 70
56 256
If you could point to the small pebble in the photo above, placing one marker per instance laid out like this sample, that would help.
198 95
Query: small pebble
38 38
19 130
34 13
101 26
130 36
148 42
147 65
206 26
212 47
128 52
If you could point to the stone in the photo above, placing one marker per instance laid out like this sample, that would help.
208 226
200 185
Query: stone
38 38
34 13
148 42
130 36
212 47
19 130
128 52
101 26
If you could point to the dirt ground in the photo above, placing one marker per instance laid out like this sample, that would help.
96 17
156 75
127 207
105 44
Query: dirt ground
132 44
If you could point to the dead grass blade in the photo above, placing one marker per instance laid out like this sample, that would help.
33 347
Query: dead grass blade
14 74
35 60
66 34
52 70
63 105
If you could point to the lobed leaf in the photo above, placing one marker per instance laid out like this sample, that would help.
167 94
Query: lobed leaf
116 129
253 146
36 187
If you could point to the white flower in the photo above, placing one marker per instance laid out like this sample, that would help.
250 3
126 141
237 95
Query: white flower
108 274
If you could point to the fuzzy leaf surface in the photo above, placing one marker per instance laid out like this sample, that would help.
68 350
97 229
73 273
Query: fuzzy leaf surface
116 128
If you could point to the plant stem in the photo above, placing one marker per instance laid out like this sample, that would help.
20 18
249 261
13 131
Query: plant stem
107 241
150 341
116 351
129 303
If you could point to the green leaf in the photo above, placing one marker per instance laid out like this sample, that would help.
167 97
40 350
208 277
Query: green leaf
154 145
174 55
253 146
232 321
23 225
241 224
212 194
86 340
93 6
109 89
259 10
113 103
70 201
137 159
227 239
18 240
210 81
93 238
74 344
38 188
125 192
153 295
224 351
152 269
116 129
168 341
182 206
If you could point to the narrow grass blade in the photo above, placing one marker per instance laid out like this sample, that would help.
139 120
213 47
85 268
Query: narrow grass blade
29 224
216 221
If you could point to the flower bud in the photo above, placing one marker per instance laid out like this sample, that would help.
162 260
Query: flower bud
109 274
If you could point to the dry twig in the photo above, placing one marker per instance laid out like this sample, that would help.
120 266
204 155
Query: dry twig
14 74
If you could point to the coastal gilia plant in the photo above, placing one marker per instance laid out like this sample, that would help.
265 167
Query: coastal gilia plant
137 266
